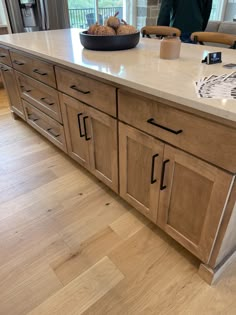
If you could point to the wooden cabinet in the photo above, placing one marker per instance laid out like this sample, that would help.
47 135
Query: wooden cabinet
40 95
34 67
103 147
140 169
5 56
182 194
10 84
93 92
47 126
91 139
192 201
73 112
193 134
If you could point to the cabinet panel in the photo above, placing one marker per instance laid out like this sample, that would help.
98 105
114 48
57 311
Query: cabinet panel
191 133
34 67
140 169
10 84
91 139
5 56
92 92
73 112
47 126
40 95
193 201
103 147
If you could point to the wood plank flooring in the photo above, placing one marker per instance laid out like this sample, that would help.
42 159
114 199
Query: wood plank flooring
69 245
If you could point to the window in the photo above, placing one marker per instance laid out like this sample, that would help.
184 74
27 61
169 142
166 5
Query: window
2 14
218 7
82 13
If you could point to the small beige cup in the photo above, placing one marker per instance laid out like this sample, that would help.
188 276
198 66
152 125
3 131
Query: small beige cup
170 47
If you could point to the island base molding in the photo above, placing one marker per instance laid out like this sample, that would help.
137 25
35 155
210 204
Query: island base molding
211 276
14 115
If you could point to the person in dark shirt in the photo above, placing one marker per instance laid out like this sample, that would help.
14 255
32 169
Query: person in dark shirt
187 15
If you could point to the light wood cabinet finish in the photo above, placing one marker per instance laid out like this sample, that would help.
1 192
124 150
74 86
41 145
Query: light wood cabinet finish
5 56
92 139
47 126
40 95
193 202
103 147
73 112
206 139
140 169
38 69
10 84
100 95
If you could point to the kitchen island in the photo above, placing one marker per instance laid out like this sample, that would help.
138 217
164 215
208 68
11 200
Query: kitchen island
136 123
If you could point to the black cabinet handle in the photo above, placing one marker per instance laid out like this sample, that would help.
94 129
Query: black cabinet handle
74 87
162 186
153 167
152 122
22 87
79 124
18 63
31 117
4 69
46 101
50 131
39 72
85 129
3 56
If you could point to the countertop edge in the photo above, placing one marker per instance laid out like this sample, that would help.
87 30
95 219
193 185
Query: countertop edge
205 108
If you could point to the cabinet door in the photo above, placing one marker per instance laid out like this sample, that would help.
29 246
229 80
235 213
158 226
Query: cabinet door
192 201
140 169
73 112
12 91
102 134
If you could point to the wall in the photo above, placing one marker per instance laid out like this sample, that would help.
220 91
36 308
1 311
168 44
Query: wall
147 12
230 11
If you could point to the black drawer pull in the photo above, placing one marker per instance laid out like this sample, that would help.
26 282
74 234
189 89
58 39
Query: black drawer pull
31 117
162 186
22 87
153 166
46 101
74 87
85 129
39 72
4 69
79 124
18 63
50 131
152 122
3 56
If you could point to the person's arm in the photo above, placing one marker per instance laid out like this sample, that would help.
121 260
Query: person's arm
207 12
165 11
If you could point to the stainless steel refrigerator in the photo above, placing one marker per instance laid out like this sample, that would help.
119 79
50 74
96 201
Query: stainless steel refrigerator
37 15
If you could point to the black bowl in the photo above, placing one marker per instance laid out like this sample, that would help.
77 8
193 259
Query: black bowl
114 42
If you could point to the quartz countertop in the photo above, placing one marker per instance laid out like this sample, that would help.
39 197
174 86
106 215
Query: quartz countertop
139 68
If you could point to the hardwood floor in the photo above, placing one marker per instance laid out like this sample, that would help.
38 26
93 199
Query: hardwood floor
69 245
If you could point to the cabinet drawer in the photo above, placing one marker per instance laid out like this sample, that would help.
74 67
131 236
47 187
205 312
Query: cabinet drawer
92 92
40 95
47 126
5 56
10 84
209 140
35 68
